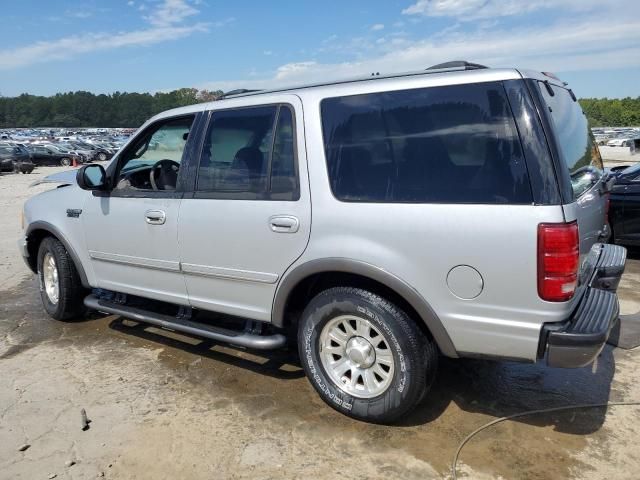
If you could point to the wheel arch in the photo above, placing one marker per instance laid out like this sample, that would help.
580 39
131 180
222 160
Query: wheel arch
301 283
38 231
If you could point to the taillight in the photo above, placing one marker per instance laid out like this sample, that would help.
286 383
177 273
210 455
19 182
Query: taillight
558 258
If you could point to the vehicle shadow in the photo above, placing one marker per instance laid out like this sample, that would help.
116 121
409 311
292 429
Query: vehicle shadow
478 386
501 389
281 364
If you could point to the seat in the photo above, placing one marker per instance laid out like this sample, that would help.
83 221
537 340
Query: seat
246 170
426 172
348 179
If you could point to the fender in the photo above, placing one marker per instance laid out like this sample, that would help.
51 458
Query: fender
347 265
46 226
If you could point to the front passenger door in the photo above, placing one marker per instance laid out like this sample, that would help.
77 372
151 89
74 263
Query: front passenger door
131 231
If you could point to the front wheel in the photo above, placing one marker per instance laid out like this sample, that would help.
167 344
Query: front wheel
61 290
364 356
102 156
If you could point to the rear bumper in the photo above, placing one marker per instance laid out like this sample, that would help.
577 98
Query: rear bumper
577 341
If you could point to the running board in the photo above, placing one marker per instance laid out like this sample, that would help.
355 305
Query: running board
241 339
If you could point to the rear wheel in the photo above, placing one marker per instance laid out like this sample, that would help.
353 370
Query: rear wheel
61 290
65 161
102 156
364 356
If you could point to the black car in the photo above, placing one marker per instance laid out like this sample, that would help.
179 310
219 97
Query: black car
50 155
624 211
15 158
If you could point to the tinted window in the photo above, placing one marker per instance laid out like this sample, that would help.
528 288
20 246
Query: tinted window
578 149
453 144
284 178
242 159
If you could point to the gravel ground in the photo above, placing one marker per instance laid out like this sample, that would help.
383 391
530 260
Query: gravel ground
163 405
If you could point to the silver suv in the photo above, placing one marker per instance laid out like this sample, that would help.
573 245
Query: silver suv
379 223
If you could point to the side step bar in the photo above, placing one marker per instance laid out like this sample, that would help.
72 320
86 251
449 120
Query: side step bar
242 339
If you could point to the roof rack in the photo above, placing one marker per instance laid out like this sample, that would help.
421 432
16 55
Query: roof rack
239 91
462 64
456 66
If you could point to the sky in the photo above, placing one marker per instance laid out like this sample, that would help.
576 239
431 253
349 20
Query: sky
51 46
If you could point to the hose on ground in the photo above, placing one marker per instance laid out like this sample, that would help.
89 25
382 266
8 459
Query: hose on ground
454 464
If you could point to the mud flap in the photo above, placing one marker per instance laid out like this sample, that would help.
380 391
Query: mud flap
626 332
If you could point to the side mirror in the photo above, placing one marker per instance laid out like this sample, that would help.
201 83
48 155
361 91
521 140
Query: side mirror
92 177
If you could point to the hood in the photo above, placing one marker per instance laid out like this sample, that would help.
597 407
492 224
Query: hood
68 177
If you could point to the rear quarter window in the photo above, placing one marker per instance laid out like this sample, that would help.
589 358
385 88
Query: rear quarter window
577 147
450 144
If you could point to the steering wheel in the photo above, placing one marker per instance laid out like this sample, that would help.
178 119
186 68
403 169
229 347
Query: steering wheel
168 174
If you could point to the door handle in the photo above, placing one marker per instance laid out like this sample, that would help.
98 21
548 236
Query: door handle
284 224
155 217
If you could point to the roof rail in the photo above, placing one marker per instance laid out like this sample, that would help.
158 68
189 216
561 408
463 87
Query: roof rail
462 64
238 91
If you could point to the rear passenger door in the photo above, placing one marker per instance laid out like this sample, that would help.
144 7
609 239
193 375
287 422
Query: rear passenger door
248 217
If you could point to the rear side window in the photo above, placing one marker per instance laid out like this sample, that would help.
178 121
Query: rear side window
577 147
452 144
249 155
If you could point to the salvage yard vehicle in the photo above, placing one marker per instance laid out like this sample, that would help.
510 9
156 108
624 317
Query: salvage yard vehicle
50 155
625 206
12 156
380 222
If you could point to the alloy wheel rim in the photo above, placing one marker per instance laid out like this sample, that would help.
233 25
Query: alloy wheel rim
356 356
50 277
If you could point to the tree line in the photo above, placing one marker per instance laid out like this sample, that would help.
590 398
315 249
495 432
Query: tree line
612 112
121 109
85 109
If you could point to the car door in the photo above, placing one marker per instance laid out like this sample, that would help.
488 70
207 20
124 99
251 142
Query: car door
40 155
631 209
249 215
131 230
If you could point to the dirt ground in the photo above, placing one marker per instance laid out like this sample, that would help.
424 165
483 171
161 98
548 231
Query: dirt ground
163 405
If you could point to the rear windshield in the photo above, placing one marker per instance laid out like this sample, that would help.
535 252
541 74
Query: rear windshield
452 144
578 149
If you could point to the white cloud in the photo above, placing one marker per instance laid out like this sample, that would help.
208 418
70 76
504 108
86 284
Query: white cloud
71 46
567 46
466 10
377 27
167 23
171 12
225 22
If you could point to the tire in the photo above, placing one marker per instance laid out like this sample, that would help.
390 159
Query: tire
68 304
65 162
415 357
102 156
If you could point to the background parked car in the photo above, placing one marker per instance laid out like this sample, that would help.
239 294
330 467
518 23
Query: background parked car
624 210
50 155
12 155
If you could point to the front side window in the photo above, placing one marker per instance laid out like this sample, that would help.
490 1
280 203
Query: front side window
450 144
249 154
152 162
578 148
